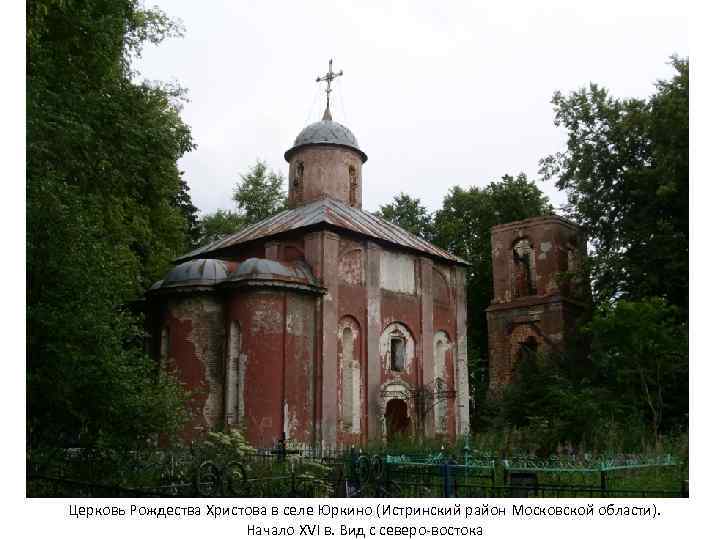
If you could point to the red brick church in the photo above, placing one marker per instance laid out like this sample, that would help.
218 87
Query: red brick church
323 325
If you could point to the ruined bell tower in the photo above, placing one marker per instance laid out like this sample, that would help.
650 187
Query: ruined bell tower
539 291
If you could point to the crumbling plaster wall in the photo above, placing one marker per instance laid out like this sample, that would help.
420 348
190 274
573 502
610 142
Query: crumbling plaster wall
271 360
196 328
278 350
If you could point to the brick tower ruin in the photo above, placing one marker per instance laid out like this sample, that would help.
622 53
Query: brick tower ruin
539 291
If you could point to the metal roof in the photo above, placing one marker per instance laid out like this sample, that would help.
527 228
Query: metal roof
326 212
204 274
197 272
326 132
256 269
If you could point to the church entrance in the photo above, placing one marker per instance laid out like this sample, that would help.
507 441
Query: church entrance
396 419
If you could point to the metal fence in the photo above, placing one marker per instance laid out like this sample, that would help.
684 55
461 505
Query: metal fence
178 474
285 473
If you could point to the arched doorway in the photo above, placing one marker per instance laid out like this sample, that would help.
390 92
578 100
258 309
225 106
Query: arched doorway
397 419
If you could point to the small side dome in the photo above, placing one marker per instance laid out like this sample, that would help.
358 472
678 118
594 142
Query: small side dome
267 269
194 273
326 132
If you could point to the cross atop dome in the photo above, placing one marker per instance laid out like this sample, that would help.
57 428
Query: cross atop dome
328 78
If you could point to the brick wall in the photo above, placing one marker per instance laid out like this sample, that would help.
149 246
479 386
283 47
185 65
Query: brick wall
550 248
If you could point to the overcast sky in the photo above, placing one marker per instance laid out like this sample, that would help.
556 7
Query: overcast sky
438 93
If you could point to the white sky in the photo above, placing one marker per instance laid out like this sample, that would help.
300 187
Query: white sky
437 93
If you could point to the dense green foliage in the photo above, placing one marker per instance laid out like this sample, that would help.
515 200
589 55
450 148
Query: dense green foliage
217 225
106 211
259 195
639 353
625 172
622 393
189 211
409 214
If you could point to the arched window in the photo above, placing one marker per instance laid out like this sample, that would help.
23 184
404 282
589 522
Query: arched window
397 348
350 374
523 258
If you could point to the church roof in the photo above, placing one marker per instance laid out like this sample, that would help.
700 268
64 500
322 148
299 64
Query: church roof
266 269
325 212
193 273
326 132
207 273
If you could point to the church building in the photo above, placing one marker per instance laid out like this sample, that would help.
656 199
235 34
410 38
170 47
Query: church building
324 325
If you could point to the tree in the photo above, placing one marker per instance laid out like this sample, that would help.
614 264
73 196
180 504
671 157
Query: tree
183 202
463 227
214 226
640 352
103 221
260 194
409 214
625 172
555 406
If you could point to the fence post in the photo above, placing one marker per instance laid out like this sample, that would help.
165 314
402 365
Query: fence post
446 479
353 463
466 453
293 487
281 448
504 465
603 481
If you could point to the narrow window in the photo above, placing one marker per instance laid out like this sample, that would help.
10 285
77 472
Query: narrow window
571 260
298 181
164 346
441 401
397 354
524 268
348 394
234 404
570 282
353 185
349 360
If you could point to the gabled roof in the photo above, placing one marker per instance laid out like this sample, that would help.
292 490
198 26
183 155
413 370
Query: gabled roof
325 212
